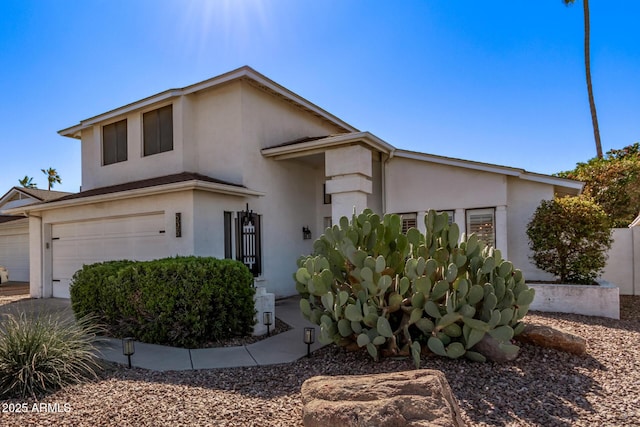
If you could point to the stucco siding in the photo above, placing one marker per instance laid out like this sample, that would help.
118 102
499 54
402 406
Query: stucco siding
137 166
290 204
523 199
413 186
271 121
217 132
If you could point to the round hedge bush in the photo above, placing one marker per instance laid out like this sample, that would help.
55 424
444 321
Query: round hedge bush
183 301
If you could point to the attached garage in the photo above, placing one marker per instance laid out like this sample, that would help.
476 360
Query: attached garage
14 247
140 237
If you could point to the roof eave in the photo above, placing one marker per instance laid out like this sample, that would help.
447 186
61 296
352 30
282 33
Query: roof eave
147 191
320 145
74 131
486 167
244 72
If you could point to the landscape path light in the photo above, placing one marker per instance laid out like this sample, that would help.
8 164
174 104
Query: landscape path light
128 348
267 319
309 338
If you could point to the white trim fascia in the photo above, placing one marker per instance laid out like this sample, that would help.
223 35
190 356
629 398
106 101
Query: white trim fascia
467 164
636 222
548 179
486 167
320 145
74 131
140 192
240 73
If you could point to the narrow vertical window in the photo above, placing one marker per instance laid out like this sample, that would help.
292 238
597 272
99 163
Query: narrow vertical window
158 130
482 223
326 197
228 221
114 142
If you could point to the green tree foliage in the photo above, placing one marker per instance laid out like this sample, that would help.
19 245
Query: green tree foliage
569 237
27 182
613 182
52 177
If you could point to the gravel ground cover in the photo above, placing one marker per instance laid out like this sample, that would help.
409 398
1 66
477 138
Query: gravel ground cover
541 388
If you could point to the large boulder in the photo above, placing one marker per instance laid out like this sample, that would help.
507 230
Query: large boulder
557 339
409 398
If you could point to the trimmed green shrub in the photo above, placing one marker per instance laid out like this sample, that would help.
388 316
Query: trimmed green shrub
570 237
182 301
41 354
368 285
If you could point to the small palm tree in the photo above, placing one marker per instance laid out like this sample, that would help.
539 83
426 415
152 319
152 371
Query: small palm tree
27 182
52 177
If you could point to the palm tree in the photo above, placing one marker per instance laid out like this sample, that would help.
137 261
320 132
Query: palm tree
27 182
52 177
587 66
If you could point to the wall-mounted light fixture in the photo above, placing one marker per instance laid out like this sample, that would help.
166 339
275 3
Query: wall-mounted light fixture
267 320
309 338
306 233
128 348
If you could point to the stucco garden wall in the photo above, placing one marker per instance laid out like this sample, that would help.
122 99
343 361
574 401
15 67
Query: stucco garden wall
623 264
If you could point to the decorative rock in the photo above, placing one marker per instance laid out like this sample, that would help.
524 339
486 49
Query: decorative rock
557 339
408 398
489 347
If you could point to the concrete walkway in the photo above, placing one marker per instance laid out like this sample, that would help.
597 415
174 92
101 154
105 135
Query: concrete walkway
284 347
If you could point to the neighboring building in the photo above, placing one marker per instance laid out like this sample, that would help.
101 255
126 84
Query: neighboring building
14 229
238 166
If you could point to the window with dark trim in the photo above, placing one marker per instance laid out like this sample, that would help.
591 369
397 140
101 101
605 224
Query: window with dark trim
326 197
158 130
114 142
228 221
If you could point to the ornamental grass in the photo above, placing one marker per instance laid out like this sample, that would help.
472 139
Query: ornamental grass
43 353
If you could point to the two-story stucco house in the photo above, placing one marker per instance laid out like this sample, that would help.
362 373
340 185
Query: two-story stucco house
238 166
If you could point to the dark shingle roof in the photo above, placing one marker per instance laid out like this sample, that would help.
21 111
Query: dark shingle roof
43 195
145 183
9 218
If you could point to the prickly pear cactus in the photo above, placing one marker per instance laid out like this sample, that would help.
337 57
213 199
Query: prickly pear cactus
369 285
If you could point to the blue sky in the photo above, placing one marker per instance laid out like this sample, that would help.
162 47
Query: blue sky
494 81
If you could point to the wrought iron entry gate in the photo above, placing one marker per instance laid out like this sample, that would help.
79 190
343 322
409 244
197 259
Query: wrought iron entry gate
248 243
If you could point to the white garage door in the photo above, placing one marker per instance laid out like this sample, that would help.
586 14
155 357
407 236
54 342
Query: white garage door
138 238
14 251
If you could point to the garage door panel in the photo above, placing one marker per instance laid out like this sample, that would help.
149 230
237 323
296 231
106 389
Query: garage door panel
14 252
133 238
